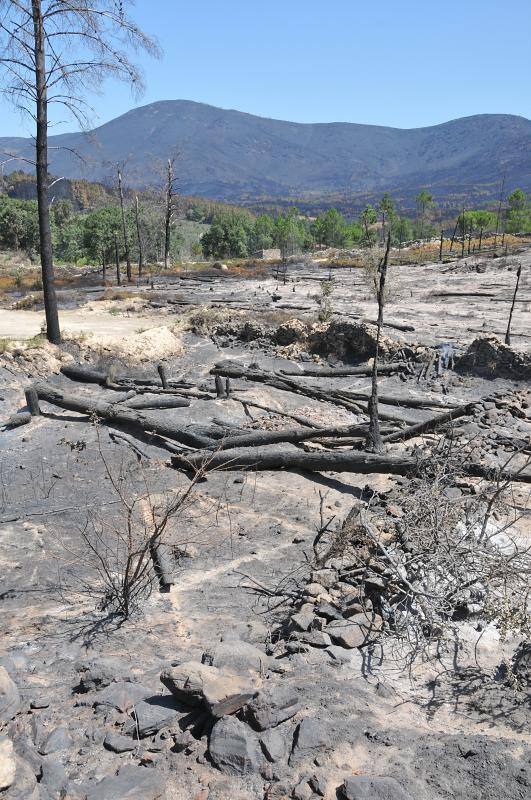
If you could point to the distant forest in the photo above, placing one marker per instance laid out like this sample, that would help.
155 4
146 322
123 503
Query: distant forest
87 224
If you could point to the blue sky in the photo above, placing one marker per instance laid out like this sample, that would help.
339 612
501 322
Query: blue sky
405 63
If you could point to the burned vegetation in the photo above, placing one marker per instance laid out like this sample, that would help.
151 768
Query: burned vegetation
291 559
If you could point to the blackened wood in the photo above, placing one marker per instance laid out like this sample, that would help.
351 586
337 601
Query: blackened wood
430 424
84 374
162 401
220 392
508 333
16 420
120 414
161 369
374 438
275 458
340 372
288 435
32 401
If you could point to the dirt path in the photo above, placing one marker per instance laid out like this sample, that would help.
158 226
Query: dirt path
26 324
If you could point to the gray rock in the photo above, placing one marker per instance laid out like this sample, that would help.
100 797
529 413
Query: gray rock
8 765
58 739
122 695
314 638
98 673
54 778
302 620
9 698
234 747
118 743
271 707
354 632
24 786
363 787
237 656
219 691
273 745
131 783
310 737
155 713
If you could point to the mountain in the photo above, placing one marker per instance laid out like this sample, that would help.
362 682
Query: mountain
230 155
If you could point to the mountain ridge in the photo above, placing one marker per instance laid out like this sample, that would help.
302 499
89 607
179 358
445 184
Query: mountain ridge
231 155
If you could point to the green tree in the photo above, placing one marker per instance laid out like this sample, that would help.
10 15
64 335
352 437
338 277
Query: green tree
518 214
424 203
386 207
229 236
368 218
330 229
263 233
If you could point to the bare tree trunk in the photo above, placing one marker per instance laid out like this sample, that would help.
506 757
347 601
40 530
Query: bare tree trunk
463 236
168 214
117 259
375 438
139 238
508 334
499 211
480 238
441 245
53 331
103 265
124 226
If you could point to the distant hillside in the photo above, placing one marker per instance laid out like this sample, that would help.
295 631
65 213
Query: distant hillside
229 155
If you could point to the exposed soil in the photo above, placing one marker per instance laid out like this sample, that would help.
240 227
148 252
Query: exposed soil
451 726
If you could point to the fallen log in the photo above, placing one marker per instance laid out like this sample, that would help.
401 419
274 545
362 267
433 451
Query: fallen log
296 417
16 420
120 414
84 374
340 372
430 424
288 436
275 458
162 401
231 370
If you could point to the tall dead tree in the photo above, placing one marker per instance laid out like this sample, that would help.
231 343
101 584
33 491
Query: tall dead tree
124 224
139 239
498 213
508 333
59 52
170 209
374 438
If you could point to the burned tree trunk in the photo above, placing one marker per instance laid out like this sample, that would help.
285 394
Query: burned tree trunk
117 259
508 333
374 438
124 226
139 240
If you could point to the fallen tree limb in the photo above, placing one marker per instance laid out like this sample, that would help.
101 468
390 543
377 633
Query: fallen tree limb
275 458
340 372
120 414
231 370
162 401
23 418
296 417
288 436
430 424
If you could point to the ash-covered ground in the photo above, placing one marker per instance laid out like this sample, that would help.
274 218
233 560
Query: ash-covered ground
270 660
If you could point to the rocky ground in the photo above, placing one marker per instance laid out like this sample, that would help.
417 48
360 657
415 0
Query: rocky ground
267 668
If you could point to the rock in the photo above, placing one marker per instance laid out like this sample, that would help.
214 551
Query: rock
238 656
39 703
220 692
273 745
355 631
328 612
363 787
310 737
303 619
131 783
8 766
24 786
54 777
9 697
58 739
271 707
234 747
314 638
122 695
154 714
303 791
118 743
98 673
314 590
324 577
